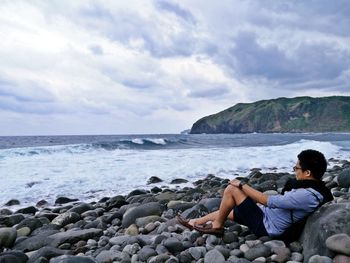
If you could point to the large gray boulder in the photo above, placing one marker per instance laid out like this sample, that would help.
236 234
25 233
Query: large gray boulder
330 219
35 242
344 178
73 236
148 209
46 252
53 238
212 204
7 236
66 218
63 200
27 210
11 220
32 223
72 259
81 208
267 185
13 256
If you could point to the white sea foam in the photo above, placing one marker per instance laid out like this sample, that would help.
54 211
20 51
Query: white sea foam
138 141
91 173
157 141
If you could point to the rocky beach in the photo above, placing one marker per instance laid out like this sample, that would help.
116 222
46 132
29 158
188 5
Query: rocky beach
123 120
141 226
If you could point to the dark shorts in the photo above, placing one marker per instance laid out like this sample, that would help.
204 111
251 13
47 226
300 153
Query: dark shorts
249 214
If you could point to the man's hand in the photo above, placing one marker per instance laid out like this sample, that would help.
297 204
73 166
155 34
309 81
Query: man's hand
256 195
235 182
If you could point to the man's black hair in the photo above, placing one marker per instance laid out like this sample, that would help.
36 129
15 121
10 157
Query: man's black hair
314 161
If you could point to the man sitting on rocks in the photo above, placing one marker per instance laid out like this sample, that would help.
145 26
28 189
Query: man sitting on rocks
270 215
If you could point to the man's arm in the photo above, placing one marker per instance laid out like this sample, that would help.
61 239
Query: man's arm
256 195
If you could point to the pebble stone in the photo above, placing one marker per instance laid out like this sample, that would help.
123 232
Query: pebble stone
339 243
24 231
244 248
297 257
132 249
253 243
260 260
282 254
197 252
173 245
319 259
236 252
341 259
214 256
275 243
146 252
296 247
258 251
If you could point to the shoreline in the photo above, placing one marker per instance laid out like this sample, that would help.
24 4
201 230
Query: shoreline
152 181
141 226
46 173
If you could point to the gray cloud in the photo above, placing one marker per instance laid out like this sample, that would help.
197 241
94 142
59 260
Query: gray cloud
162 61
125 25
213 92
308 62
11 104
29 97
249 58
33 100
96 49
137 84
180 106
26 91
176 9
329 17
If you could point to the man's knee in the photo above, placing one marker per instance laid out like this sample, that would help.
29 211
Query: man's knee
230 189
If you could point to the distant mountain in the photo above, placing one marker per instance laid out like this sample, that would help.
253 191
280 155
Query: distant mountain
186 131
301 114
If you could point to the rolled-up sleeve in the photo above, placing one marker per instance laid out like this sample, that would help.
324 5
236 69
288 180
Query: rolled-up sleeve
295 199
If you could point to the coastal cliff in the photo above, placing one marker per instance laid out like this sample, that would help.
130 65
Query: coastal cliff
300 114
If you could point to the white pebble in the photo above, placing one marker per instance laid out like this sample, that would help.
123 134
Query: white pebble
297 257
244 248
260 259
253 243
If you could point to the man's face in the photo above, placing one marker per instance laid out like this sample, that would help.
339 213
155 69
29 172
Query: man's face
299 173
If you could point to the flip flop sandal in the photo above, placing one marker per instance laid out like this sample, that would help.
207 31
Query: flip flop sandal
208 229
184 222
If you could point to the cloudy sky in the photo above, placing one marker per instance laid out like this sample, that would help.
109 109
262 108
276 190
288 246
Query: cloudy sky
120 67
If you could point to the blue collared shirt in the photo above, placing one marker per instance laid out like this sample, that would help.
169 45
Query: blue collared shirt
277 216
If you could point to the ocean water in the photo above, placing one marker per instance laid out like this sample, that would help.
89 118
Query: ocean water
91 167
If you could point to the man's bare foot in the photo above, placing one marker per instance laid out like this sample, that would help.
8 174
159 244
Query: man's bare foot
192 222
197 222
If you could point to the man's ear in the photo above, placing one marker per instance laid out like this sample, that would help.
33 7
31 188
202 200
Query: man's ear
308 173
